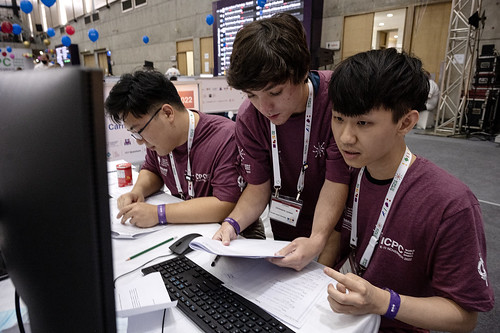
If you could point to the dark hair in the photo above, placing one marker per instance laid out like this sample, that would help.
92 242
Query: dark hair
379 78
138 92
269 51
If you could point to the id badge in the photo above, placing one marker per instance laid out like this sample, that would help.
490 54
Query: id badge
350 265
285 209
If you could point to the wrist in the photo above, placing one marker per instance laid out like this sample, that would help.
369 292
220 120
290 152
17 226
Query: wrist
394 304
234 224
162 216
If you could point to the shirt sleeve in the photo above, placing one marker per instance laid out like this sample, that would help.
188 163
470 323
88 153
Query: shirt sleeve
337 169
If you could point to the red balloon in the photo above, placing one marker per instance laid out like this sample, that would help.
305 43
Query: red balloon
6 27
70 30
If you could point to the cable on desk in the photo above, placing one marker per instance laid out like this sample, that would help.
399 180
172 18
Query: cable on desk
20 323
147 262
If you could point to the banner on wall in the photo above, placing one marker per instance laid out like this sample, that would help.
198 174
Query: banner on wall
12 59
120 144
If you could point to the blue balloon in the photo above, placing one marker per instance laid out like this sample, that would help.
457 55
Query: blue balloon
51 32
209 19
16 29
9 49
93 35
48 3
145 39
261 3
66 41
26 6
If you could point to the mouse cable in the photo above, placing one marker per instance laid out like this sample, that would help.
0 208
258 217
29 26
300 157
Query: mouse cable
20 323
147 262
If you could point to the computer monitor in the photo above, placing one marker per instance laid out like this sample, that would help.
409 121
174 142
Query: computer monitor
54 205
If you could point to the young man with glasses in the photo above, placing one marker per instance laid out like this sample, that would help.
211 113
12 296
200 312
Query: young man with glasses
192 153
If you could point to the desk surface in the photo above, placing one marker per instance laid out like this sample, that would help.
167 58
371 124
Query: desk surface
321 317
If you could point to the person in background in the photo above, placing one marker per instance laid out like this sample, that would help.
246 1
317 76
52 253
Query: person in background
172 73
413 246
44 63
287 153
426 116
192 153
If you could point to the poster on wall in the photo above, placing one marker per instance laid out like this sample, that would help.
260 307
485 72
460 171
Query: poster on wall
217 96
120 144
188 91
12 59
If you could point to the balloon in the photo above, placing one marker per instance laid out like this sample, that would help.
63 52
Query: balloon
70 30
12 56
16 29
6 27
46 41
66 41
93 34
26 6
209 19
9 49
48 3
4 53
26 43
145 39
51 32
261 3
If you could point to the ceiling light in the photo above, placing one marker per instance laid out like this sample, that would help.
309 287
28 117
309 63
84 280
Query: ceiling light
396 36
390 15
381 24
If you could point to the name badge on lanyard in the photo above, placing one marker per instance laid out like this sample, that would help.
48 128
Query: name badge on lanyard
350 265
282 208
285 209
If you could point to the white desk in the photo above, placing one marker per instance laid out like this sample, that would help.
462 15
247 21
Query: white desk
321 317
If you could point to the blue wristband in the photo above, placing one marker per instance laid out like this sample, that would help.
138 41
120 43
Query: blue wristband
235 224
162 218
394 304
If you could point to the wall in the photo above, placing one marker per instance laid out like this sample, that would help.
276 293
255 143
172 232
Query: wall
169 21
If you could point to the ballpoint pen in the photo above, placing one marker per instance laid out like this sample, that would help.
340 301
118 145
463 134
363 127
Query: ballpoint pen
151 248
217 257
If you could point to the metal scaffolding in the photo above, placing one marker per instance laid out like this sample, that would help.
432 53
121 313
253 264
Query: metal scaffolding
458 67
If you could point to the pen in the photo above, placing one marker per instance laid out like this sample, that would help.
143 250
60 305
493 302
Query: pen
151 248
215 260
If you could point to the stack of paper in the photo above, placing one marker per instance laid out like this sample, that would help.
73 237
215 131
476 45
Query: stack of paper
143 295
245 248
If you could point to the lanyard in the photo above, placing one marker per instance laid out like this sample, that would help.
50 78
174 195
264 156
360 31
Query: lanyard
307 134
389 199
188 174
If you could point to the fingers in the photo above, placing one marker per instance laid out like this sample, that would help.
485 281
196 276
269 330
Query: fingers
225 234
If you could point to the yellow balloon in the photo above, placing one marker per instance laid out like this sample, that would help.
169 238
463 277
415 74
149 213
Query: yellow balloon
26 43
46 41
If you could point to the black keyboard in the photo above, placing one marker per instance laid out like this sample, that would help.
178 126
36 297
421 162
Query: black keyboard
210 305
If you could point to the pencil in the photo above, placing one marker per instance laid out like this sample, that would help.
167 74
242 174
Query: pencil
151 248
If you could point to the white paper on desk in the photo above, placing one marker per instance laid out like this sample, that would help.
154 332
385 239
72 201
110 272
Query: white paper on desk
128 231
145 294
283 292
245 248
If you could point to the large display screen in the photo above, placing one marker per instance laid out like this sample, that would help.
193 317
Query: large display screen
232 15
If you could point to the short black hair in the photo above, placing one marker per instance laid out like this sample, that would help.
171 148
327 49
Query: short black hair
379 78
137 93
269 51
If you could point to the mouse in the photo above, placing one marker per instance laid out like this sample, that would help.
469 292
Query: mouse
181 246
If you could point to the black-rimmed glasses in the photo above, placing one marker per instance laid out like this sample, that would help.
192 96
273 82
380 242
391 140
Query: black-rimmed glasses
137 135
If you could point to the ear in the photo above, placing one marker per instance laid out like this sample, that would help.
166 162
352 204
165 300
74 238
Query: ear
168 111
408 121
